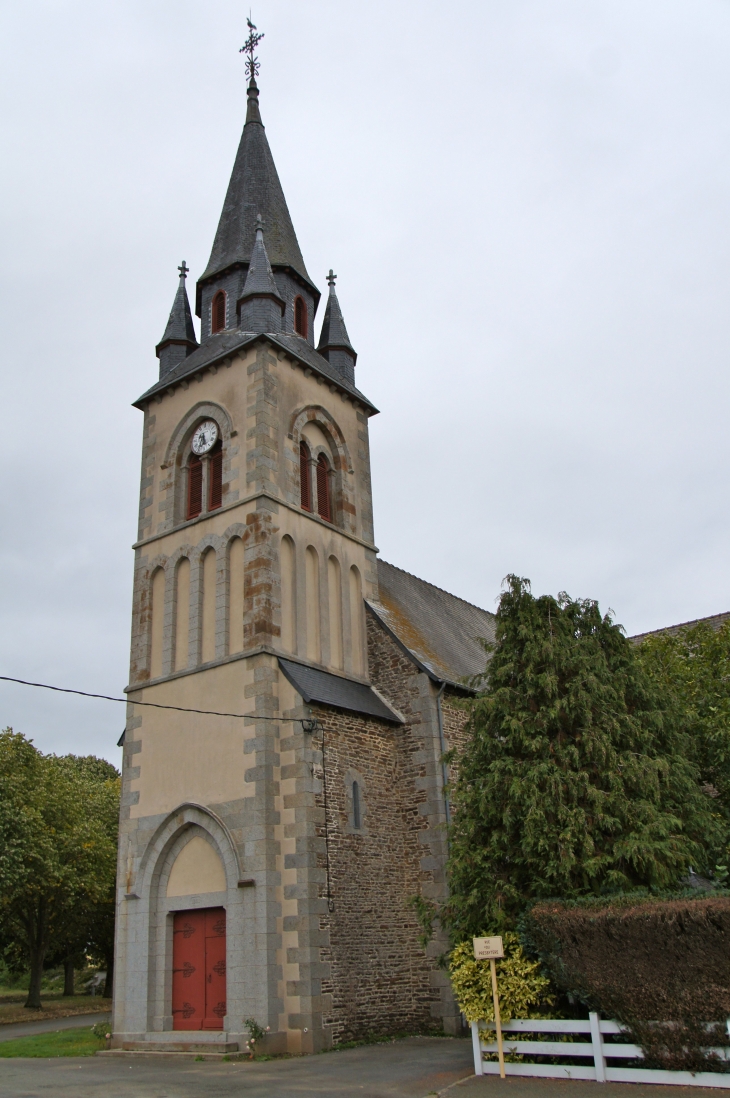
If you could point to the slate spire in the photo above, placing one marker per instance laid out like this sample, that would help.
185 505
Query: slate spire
334 342
261 305
179 339
254 188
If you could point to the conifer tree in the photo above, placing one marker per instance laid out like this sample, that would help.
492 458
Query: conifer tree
576 778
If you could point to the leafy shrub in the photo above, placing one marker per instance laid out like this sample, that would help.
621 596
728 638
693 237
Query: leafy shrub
521 985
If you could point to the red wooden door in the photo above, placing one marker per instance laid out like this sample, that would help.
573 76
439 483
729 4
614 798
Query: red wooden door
199 969
215 968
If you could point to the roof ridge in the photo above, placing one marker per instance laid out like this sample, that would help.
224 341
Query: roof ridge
681 624
437 588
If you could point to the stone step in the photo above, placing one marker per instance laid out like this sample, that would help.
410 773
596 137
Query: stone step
224 1047
158 1054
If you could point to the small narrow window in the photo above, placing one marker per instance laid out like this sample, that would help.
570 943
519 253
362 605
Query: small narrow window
215 476
195 487
218 312
300 316
304 477
356 823
323 488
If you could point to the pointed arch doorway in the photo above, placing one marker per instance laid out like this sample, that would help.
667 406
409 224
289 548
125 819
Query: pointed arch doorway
199 969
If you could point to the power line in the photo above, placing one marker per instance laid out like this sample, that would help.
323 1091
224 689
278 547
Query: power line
152 705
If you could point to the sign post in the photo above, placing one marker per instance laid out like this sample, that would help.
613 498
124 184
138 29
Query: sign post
490 949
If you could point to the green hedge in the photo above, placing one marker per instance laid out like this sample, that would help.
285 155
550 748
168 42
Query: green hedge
644 960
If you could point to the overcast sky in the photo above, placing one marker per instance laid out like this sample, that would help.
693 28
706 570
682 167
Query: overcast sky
527 203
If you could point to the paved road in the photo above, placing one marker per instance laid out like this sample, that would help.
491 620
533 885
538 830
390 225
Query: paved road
49 1025
411 1068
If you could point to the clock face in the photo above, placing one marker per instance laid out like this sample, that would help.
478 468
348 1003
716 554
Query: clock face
205 437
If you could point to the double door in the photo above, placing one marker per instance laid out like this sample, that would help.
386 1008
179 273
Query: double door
199 969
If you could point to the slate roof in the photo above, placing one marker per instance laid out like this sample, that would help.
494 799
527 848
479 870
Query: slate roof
439 631
320 686
227 343
260 277
180 328
254 188
334 332
715 621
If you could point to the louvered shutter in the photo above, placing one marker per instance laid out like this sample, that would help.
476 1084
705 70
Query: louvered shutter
323 489
219 312
300 317
306 488
215 477
195 487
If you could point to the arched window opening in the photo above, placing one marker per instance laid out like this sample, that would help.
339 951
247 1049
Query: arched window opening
195 487
356 817
300 316
218 312
323 488
215 476
305 480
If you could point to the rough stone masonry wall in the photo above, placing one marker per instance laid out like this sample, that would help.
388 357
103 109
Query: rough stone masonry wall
379 976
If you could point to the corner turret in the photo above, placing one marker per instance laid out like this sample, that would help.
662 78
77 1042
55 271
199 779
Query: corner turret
334 342
179 339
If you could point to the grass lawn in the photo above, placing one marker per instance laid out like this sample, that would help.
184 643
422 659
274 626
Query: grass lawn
54 1006
66 1042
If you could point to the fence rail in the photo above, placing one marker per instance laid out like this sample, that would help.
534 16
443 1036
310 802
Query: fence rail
598 1050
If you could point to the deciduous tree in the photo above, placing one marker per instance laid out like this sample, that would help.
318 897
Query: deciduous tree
57 850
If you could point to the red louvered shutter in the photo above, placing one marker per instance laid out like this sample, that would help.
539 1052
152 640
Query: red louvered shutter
323 489
219 312
300 316
306 488
215 477
195 487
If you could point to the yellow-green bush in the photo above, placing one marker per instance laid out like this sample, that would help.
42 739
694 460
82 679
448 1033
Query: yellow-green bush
522 987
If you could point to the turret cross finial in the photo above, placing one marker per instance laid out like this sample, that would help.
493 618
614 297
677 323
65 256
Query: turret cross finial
331 279
183 269
252 62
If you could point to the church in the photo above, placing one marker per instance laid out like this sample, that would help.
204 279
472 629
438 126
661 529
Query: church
291 695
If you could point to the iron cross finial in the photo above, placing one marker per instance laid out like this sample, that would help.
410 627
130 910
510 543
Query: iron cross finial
249 47
183 269
331 279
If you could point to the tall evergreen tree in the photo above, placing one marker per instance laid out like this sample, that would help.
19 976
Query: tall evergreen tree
576 778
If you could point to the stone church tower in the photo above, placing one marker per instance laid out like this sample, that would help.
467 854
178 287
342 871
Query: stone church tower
284 792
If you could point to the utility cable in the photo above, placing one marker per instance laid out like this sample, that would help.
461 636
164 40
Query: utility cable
152 705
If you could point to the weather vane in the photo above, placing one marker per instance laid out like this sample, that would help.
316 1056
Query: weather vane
252 62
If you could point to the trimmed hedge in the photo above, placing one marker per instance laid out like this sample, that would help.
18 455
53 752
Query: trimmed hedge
644 960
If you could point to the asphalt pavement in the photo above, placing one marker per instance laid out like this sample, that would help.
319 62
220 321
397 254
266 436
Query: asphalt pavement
409 1068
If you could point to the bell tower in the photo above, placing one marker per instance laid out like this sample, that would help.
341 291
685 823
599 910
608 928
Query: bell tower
253 558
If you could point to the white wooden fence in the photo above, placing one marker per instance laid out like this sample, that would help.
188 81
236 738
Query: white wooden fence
596 1050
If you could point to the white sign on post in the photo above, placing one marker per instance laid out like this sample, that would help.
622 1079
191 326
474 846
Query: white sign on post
487 949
